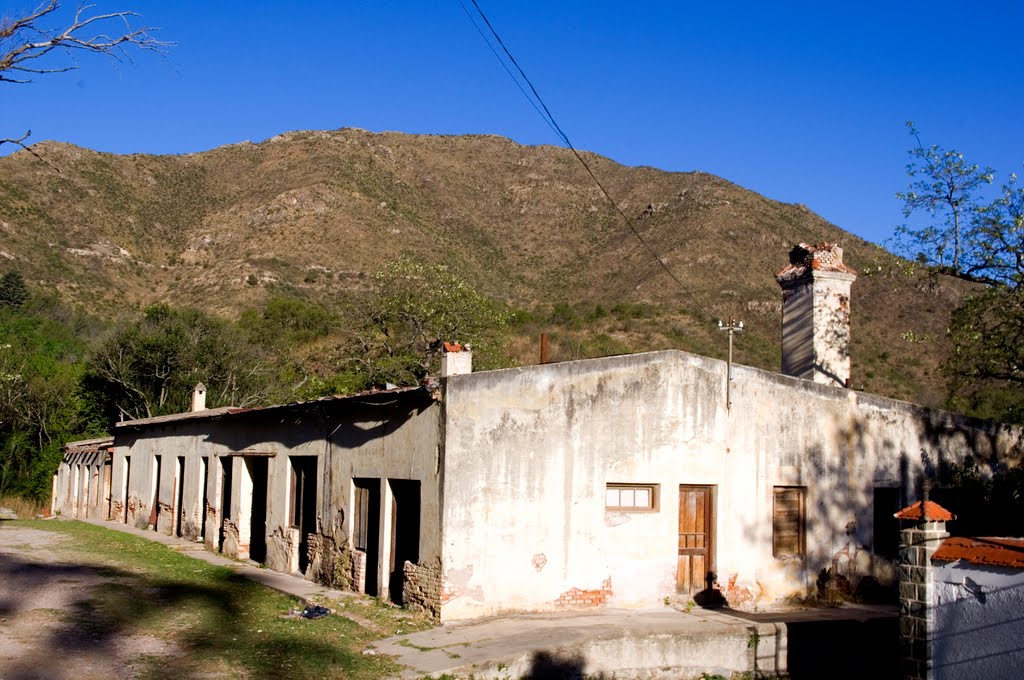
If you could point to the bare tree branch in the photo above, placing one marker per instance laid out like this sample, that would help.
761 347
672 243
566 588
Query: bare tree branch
26 41
20 141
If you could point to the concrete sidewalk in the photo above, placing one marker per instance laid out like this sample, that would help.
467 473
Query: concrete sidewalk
618 643
611 642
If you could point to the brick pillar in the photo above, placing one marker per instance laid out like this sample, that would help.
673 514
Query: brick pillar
917 617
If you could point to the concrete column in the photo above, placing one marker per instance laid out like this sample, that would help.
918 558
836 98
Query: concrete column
917 616
387 499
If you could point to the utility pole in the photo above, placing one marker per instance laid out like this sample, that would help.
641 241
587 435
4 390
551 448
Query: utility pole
731 328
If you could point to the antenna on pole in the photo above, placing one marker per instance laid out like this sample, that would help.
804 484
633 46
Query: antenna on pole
731 328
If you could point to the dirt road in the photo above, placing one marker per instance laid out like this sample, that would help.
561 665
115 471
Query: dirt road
46 592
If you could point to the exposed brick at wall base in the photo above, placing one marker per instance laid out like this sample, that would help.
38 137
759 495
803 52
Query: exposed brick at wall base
449 591
421 587
136 517
329 562
576 597
359 571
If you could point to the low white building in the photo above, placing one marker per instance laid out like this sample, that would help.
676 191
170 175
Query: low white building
625 481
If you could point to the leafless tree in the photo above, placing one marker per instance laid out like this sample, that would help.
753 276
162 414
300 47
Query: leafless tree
27 42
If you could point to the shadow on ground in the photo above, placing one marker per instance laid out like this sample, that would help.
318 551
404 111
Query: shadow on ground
551 667
208 626
840 648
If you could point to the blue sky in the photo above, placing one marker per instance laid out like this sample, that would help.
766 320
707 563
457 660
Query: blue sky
803 102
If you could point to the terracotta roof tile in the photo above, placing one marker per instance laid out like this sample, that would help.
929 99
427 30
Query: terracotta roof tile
935 512
452 347
995 552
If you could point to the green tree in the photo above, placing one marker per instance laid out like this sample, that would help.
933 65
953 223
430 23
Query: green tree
285 322
150 366
42 403
945 188
13 292
982 242
412 310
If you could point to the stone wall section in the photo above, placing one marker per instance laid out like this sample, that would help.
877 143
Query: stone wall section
917 545
329 562
421 587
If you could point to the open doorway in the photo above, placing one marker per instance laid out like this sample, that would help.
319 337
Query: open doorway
226 469
302 503
405 533
366 529
154 508
179 496
204 480
256 467
126 484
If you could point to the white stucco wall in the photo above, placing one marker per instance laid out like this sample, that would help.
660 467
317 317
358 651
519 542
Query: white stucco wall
528 454
978 627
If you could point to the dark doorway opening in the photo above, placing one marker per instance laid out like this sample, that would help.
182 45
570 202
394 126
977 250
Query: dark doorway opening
154 509
257 467
366 529
204 479
885 535
405 533
126 487
179 497
226 465
302 505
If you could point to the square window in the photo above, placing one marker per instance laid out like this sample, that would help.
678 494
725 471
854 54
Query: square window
631 497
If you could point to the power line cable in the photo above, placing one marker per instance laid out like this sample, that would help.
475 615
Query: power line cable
538 103
507 69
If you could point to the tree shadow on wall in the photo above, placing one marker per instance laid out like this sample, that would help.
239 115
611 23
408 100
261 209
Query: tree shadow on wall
851 535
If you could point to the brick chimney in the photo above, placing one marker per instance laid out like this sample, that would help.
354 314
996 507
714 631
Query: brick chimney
199 397
816 314
456 359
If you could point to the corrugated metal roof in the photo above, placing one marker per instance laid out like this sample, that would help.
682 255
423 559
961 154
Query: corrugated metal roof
934 511
993 552
212 413
89 445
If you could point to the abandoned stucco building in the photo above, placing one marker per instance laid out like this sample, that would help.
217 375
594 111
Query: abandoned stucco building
622 480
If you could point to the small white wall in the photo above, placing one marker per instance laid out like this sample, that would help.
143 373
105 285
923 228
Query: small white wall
978 630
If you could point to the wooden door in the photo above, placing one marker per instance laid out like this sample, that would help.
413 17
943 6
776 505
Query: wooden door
696 538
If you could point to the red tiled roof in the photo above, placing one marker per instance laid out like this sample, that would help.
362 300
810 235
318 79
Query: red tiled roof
993 552
452 347
935 512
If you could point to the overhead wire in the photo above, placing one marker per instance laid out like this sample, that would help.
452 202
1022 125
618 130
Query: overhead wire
542 109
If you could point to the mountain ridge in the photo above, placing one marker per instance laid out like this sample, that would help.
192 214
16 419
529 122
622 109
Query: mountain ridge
314 213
